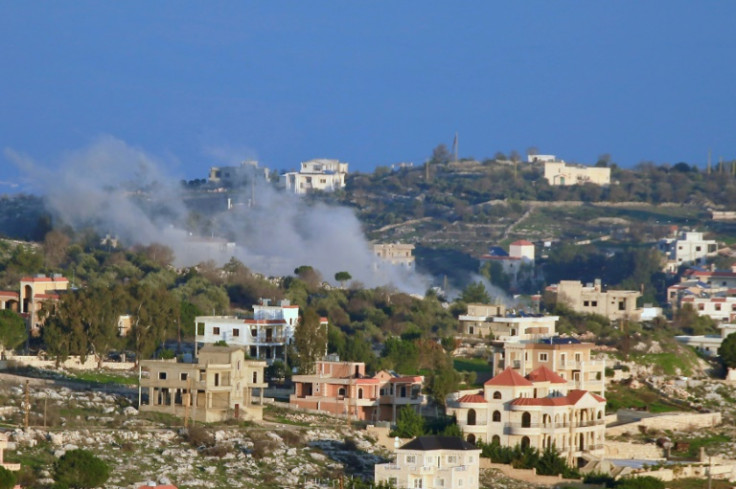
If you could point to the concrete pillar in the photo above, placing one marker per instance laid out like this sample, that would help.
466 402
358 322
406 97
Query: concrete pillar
151 398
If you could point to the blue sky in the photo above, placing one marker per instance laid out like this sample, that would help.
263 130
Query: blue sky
371 83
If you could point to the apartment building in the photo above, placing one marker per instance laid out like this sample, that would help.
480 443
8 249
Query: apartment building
710 343
538 411
720 307
265 336
432 462
592 299
396 254
561 173
492 320
689 248
567 357
343 388
320 174
223 384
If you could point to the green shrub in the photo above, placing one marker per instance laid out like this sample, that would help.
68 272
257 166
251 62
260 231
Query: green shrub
80 469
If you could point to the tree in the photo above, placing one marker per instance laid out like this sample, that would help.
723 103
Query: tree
440 155
12 330
443 380
727 351
310 339
410 423
342 277
55 246
7 478
80 469
475 293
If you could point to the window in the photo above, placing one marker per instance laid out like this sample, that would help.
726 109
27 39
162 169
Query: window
496 416
216 330
586 303
701 307
236 332
578 357
697 248
418 483
393 481
718 307
255 377
183 376
543 357
621 305
162 376
411 459
497 395
200 329
440 483
594 303
452 459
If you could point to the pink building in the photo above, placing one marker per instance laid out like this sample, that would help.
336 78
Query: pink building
343 388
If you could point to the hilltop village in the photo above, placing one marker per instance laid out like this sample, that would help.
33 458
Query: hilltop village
575 330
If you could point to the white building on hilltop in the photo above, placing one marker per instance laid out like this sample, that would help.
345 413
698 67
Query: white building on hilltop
319 174
265 337
432 462
561 173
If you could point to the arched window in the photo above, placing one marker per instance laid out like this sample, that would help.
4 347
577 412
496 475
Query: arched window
255 377
341 392
526 420
360 393
471 439
497 395
525 442
471 417
496 416
496 440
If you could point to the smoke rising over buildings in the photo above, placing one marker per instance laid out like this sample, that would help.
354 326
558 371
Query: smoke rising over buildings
119 189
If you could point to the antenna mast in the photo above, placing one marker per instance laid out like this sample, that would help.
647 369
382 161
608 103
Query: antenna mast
454 148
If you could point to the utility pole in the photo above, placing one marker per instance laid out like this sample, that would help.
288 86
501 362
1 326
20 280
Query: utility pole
708 167
27 405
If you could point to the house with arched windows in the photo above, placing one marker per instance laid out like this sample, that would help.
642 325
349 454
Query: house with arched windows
538 410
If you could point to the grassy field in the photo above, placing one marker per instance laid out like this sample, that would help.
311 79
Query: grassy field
623 397
471 365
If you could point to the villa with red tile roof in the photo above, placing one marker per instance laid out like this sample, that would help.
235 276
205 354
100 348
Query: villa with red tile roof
266 336
343 388
538 410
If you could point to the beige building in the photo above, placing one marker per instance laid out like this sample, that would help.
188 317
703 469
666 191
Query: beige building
560 173
432 462
538 411
223 384
344 388
34 292
396 254
591 299
491 320
567 357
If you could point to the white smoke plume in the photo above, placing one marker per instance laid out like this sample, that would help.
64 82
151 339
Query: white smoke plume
118 189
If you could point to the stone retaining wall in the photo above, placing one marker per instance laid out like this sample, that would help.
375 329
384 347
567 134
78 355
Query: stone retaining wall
71 363
677 421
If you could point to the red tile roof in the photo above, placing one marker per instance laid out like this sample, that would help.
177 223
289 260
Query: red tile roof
569 400
508 377
407 378
543 374
476 398
522 242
